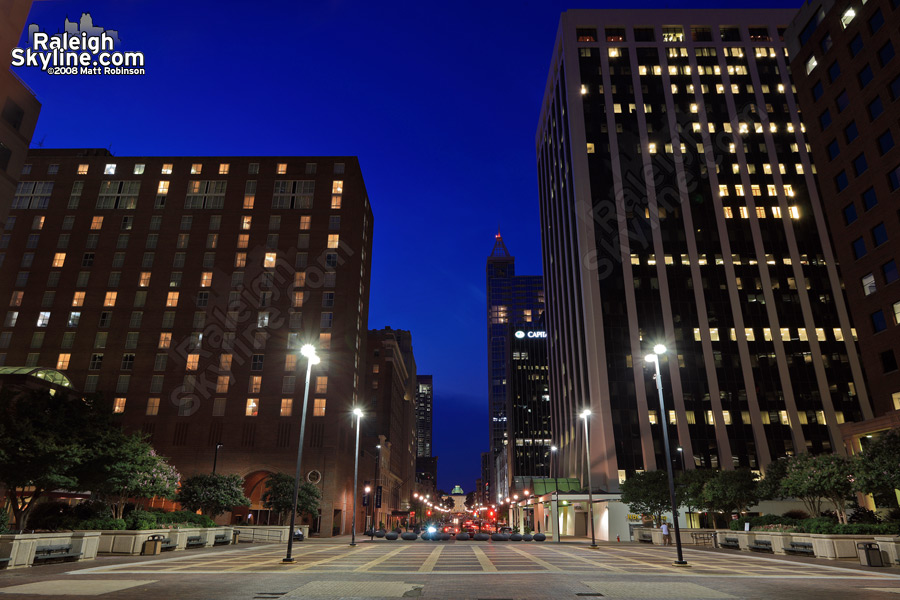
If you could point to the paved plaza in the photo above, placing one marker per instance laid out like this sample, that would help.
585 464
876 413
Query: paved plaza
498 571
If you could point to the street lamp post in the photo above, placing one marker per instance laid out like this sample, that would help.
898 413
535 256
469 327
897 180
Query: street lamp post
587 450
554 455
309 352
216 457
358 414
654 358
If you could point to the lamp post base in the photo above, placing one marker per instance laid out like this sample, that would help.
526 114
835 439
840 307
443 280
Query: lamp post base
288 561
594 547
681 563
352 543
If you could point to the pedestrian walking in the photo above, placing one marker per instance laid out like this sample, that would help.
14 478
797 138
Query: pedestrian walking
667 539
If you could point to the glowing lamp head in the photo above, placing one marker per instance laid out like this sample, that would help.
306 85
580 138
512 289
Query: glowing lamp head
368 489
553 448
432 529
659 349
357 412
308 350
650 358
585 413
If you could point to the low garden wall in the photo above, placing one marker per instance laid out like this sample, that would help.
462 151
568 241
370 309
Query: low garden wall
20 548
132 542
264 533
830 546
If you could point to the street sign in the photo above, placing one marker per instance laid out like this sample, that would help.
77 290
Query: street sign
378 497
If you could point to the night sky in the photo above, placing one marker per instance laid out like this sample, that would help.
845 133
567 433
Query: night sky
440 103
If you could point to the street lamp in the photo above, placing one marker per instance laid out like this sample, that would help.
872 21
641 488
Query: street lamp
357 412
216 457
654 358
585 414
554 456
309 351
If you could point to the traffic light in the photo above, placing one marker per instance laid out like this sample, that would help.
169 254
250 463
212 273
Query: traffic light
428 513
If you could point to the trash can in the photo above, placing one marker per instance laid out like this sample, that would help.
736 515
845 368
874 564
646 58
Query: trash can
869 554
235 536
153 545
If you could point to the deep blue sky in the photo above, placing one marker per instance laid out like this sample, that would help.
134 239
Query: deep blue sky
440 103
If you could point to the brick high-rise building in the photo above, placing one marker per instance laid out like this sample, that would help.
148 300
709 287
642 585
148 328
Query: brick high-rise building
389 405
184 287
679 206
844 64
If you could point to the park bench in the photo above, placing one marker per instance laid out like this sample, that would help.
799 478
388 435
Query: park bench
645 537
194 541
801 548
4 562
731 542
761 546
48 553
702 537
168 544
221 539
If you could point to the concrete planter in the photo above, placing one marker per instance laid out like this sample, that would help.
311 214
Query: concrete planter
20 548
130 542
778 539
264 533
890 548
837 546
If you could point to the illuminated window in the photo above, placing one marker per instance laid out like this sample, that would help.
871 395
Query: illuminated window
144 279
119 405
62 362
246 221
193 360
290 362
59 259
744 213
224 168
240 259
110 299
767 334
590 148
286 407
696 334
166 169
820 334
298 299
321 385
652 148
152 407
269 260
776 212
172 299
672 418
82 169
206 279
794 212
96 222
196 169
252 407
319 407
255 384
262 319
281 168
325 341
801 333
163 188
77 298
333 239
760 212
748 333
305 222
714 334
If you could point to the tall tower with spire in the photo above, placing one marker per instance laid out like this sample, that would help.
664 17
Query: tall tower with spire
512 300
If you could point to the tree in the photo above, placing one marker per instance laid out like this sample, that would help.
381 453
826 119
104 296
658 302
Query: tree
128 467
470 500
770 485
213 494
690 488
44 439
279 496
647 493
731 491
797 483
877 469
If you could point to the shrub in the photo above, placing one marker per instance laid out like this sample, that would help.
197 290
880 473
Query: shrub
864 515
140 519
52 515
893 515
796 514
185 517
91 509
102 523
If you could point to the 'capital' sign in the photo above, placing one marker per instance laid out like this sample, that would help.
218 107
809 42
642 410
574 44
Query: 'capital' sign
531 334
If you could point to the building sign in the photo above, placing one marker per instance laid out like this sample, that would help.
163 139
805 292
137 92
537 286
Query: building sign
531 334
378 497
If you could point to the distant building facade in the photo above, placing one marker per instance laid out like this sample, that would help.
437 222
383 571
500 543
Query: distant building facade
511 300
424 405
184 287
528 402
844 64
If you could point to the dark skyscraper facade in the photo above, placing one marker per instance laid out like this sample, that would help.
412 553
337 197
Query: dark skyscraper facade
511 300
528 404
847 74
679 206
424 400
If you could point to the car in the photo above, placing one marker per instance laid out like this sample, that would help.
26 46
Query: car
505 529
451 529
